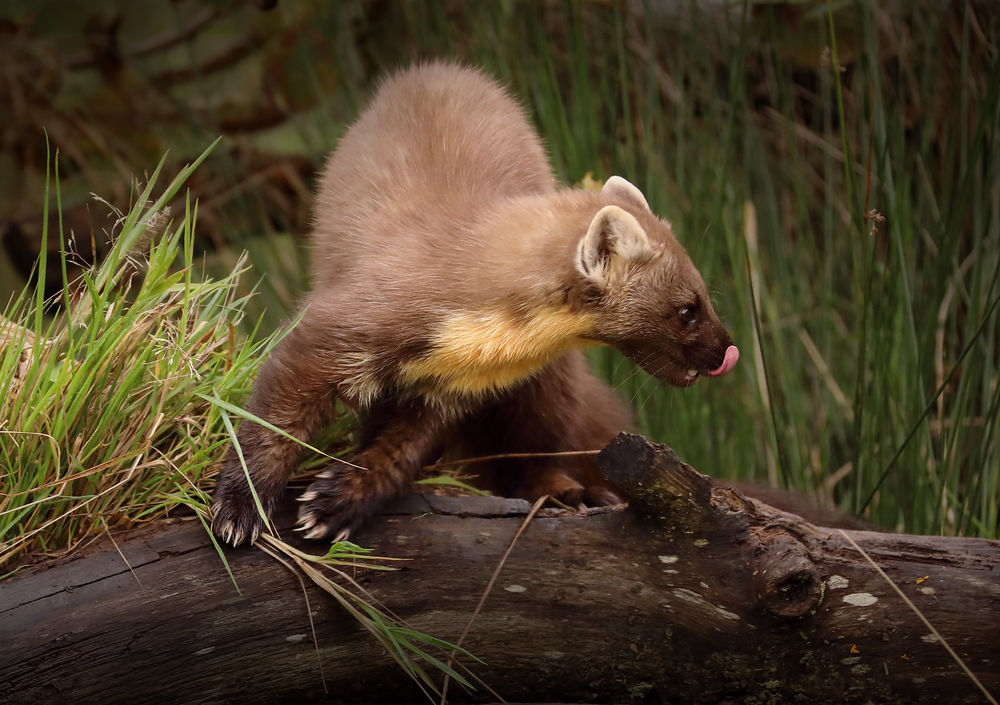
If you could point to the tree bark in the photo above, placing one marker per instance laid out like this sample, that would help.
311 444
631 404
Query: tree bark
695 594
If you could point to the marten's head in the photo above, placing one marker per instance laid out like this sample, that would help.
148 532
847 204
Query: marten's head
648 299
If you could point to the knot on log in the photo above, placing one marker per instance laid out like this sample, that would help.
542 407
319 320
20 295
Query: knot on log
784 574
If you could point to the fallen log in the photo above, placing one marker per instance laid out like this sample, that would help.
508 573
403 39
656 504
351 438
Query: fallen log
695 594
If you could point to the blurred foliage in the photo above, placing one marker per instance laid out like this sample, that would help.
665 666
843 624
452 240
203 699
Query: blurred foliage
114 84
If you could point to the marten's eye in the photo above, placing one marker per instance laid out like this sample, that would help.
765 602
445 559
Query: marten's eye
688 315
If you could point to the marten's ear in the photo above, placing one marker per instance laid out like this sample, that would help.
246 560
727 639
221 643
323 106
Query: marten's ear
618 187
613 240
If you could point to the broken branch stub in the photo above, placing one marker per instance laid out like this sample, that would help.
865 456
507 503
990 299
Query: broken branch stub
659 486
775 544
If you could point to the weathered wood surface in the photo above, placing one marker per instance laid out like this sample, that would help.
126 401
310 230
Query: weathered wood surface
694 595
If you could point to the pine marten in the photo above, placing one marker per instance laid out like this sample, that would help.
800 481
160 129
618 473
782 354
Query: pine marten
454 286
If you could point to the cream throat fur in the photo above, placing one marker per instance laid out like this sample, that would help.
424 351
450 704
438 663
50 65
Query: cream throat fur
478 353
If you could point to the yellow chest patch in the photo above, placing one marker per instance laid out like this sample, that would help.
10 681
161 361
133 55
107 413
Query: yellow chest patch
481 352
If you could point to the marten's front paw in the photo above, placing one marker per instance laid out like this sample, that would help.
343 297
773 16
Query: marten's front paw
565 488
235 517
333 506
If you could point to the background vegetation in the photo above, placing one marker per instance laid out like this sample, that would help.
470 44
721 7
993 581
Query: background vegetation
831 168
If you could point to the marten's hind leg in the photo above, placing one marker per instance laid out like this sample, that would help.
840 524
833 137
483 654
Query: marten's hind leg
562 408
396 442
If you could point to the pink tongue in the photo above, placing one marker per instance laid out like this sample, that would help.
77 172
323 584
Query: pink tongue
732 355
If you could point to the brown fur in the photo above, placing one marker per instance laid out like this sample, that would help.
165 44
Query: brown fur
453 284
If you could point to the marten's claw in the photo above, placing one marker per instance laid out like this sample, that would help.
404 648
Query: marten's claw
319 531
306 525
329 509
310 526
235 519
232 533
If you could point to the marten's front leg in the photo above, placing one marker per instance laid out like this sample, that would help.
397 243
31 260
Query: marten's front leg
396 442
293 393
